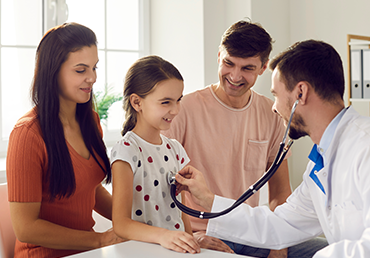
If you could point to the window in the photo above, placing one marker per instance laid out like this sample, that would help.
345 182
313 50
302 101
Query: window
21 29
122 32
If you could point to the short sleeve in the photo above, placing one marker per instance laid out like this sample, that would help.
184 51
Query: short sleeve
26 165
183 157
126 150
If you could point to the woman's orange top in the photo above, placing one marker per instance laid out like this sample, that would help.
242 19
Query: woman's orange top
26 169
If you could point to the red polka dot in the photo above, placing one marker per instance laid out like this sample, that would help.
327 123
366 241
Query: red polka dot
177 226
150 159
140 149
146 198
138 188
168 146
126 143
157 207
177 157
182 160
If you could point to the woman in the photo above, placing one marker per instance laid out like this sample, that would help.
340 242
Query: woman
56 158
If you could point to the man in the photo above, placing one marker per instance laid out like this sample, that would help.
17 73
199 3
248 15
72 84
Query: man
334 197
229 131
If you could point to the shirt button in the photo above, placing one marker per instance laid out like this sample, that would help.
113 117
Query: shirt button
329 207
324 174
315 171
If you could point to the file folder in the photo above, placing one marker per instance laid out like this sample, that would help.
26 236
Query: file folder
356 73
366 73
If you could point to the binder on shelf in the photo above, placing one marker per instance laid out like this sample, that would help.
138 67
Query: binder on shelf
356 74
366 73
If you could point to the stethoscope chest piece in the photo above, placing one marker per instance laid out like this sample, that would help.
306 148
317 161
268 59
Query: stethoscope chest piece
171 177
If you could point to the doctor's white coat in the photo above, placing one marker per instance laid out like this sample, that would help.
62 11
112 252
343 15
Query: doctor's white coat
342 214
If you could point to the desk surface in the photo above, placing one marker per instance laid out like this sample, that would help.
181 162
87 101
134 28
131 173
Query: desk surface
135 249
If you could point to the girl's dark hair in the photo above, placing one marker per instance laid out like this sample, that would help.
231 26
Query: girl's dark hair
141 79
52 52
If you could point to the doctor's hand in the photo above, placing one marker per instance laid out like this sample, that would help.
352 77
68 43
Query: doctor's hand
212 243
191 180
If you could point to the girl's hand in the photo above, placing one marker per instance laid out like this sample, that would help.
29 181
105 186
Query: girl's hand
179 241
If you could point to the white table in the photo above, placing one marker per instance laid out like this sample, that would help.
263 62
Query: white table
135 249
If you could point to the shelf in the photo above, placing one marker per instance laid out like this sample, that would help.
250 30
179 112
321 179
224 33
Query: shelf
359 100
356 41
359 43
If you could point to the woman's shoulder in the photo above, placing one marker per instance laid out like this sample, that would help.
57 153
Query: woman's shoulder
29 122
26 134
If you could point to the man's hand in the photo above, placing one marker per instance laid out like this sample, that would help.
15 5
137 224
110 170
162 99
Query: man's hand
283 253
192 180
212 243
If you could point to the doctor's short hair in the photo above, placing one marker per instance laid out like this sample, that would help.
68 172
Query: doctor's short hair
246 39
315 62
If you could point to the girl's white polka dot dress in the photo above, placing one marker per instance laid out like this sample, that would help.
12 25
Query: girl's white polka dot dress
152 203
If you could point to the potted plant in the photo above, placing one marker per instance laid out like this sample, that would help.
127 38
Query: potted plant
103 101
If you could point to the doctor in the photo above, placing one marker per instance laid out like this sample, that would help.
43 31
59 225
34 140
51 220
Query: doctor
334 197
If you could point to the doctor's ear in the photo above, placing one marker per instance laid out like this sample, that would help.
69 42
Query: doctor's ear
135 101
303 89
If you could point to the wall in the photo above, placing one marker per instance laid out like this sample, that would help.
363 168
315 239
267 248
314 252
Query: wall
177 36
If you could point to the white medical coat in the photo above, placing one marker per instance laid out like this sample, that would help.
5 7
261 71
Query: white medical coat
342 214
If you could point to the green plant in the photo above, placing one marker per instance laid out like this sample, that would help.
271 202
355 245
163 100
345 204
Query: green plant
103 101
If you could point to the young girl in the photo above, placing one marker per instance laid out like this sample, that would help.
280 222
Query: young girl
142 206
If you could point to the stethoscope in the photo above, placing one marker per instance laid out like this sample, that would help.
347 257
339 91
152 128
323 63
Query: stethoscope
283 149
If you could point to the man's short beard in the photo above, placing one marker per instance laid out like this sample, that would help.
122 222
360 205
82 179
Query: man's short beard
294 131
296 134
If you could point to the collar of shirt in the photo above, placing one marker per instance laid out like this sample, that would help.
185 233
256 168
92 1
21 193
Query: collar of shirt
327 137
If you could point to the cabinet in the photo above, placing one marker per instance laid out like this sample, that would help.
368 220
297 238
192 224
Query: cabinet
356 42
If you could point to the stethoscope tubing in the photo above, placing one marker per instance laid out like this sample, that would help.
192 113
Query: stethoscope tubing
251 190
283 150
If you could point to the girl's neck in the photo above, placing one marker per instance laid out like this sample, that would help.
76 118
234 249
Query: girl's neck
151 136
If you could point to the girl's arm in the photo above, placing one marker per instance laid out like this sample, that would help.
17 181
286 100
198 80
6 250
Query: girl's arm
103 202
185 217
29 228
127 228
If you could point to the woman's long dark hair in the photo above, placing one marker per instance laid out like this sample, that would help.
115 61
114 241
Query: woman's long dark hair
51 53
